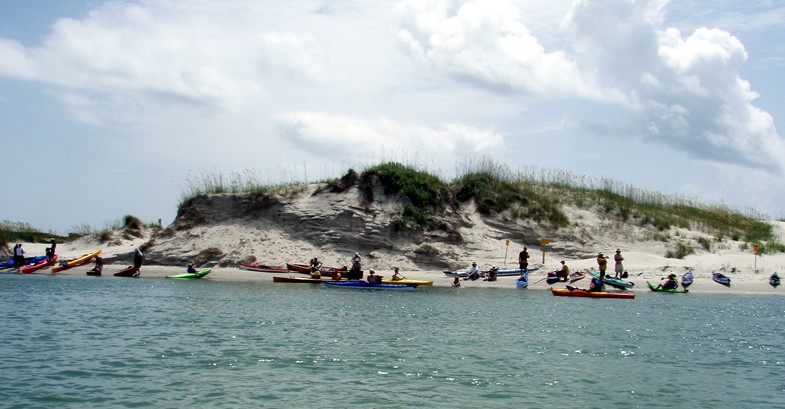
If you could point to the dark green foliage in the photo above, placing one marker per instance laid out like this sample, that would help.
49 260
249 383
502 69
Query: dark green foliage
132 222
422 189
682 250
14 232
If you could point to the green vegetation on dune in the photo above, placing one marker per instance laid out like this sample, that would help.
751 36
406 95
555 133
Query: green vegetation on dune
14 232
531 196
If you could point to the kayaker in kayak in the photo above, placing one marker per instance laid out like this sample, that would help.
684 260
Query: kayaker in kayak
595 286
564 273
671 284
602 263
190 269
397 275
374 278
315 264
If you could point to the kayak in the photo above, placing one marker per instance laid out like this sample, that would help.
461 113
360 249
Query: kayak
408 281
306 269
583 293
198 274
659 289
505 272
39 265
577 275
611 280
64 265
129 271
28 261
720 278
686 279
523 281
367 285
774 280
264 268
293 279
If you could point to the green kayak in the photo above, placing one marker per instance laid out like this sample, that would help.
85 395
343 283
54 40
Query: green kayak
198 274
657 288
611 280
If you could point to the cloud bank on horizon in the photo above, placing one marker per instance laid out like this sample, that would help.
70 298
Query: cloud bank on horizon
446 78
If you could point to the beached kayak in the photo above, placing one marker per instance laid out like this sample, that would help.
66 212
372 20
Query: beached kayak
306 269
500 273
611 280
64 265
578 275
687 278
28 261
774 280
264 268
522 281
129 271
563 292
720 278
659 289
367 285
32 268
187 276
408 281
302 280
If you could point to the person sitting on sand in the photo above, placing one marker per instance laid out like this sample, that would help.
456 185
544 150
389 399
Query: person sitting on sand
564 273
456 282
474 272
99 265
397 275
671 284
492 274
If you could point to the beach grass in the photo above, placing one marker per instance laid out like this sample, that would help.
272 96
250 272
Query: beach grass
529 194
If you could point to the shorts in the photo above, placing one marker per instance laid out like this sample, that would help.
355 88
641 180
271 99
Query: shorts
619 268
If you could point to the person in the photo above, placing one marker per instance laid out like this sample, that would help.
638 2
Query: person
456 282
191 269
19 256
671 283
618 268
602 262
50 251
397 275
356 273
473 273
138 259
523 261
315 271
595 285
492 274
374 278
564 273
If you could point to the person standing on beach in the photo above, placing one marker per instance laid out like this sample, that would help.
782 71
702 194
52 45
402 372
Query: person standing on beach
19 256
523 261
602 263
618 268
50 251
138 260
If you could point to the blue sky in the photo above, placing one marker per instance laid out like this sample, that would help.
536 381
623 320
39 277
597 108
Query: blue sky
109 106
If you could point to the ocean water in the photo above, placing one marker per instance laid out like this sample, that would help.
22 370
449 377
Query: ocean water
97 342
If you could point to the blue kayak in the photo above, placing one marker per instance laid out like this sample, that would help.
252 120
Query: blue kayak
720 278
365 284
523 282
28 260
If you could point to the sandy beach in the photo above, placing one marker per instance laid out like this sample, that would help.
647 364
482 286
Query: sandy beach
749 274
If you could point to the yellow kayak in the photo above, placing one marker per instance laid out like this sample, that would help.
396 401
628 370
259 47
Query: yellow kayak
407 281
75 262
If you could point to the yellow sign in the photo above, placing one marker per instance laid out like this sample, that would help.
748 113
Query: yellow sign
544 241
756 248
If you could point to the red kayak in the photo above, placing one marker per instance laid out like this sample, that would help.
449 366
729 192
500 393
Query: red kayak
129 271
306 269
39 265
263 268
594 294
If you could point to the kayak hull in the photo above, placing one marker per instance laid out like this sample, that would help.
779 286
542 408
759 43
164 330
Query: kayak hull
300 280
31 269
510 272
264 268
369 286
129 271
563 292
191 276
720 279
76 262
654 287
408 281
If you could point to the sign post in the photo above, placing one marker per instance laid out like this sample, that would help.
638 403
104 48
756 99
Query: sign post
757 251
544 242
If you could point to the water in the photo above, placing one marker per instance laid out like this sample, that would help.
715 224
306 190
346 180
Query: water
108 342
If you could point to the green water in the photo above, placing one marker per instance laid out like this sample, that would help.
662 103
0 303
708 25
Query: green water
120 342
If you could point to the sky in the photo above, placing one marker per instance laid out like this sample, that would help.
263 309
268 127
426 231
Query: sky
110 108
